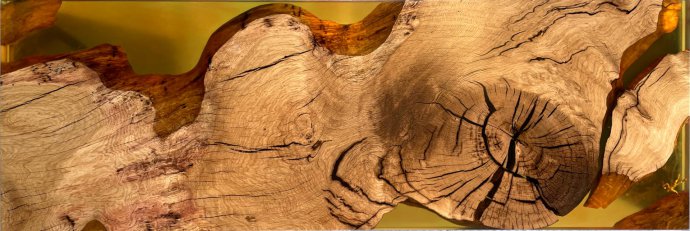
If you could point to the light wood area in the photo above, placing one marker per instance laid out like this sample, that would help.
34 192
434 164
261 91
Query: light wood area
489 113
646 120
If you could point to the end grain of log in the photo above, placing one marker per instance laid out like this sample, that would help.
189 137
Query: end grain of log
493 118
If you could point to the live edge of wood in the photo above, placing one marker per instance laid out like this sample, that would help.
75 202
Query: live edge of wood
177 98
288 121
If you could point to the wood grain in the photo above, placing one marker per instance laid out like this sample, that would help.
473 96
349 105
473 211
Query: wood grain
288 122
177 98
646 119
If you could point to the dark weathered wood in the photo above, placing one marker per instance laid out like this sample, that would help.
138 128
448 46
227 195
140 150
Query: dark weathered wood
289 122
20 18
670 212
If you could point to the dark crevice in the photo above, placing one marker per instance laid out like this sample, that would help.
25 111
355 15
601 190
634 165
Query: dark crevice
512 38
531 12
341 200
336 178
510 157
336 166
559 146
244 73
368 220
618 7
541 116
485 136
525 201
43 95
69 220
470 193
405 177
556 61
562 8
456 189
554 133
244 149
350 224
517 104
548 206
379 175
455 172
545 29
457 134
312 99
454 114
428 144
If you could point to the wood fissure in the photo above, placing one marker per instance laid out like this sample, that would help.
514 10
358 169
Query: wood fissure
177 98
291 122
667 22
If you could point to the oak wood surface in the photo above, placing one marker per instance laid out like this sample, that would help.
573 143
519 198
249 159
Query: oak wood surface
289 122
177 98
645 119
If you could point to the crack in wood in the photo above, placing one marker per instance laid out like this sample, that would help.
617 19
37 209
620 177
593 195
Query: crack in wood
40 96
256 69
390 113
618 7
538 58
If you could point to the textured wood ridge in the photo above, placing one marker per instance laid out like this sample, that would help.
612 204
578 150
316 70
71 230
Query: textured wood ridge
646 120
177 98
616 181
289 122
